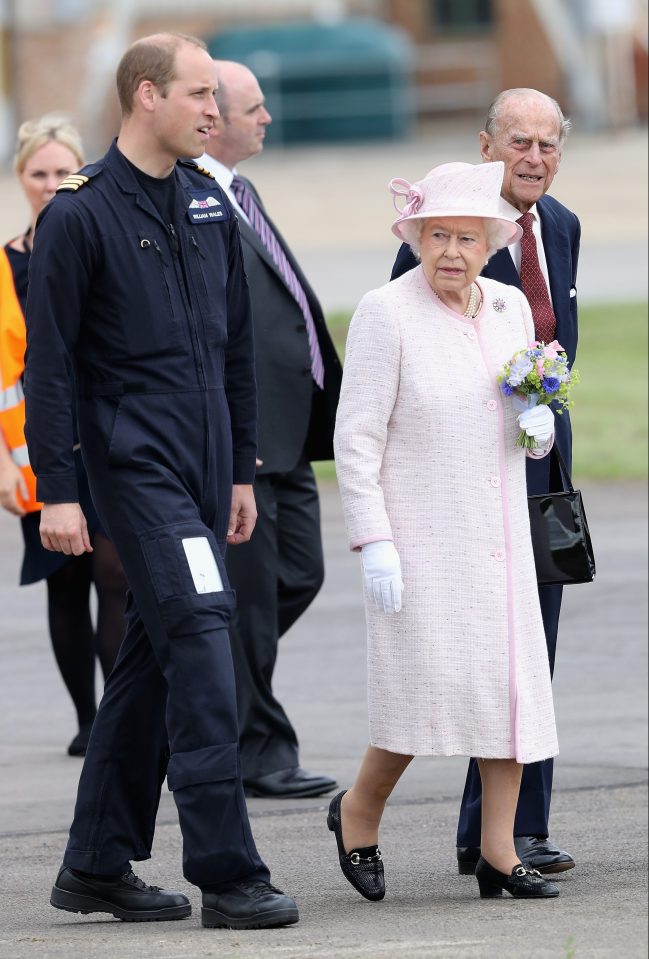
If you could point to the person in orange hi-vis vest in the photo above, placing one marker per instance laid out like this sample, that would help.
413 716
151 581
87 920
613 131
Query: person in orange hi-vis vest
49 149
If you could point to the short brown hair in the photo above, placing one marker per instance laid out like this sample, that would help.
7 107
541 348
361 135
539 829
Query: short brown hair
151 58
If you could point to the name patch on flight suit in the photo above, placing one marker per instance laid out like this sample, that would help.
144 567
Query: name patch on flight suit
207 206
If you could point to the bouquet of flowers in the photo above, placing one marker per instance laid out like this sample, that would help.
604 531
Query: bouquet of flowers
538 376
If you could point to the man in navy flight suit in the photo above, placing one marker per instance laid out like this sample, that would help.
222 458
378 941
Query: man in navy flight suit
137 282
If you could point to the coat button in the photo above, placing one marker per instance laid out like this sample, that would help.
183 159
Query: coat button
307 369
495 481
470 334
492 405
499 555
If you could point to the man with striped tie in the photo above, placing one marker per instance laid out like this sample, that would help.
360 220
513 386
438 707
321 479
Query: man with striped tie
279 572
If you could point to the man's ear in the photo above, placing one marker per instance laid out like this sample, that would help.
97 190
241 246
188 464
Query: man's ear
146 95
485 146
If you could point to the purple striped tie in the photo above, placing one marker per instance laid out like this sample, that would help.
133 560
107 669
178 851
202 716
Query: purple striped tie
267 236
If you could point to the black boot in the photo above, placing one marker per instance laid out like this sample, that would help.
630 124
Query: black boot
249 904
126 897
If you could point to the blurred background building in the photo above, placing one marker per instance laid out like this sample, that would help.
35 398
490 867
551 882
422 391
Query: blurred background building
337 69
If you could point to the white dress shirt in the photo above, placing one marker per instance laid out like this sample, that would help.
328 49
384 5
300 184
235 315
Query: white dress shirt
224 176
515 248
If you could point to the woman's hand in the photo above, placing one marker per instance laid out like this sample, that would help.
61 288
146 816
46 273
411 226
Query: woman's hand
382 571
12 487
538 422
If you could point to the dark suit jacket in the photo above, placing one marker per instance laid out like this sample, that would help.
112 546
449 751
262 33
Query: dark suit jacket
294 415
561 231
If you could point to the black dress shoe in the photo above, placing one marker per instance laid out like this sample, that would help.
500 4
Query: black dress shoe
363 868
127 898
522 883
293 783
251 904
541 854
536 853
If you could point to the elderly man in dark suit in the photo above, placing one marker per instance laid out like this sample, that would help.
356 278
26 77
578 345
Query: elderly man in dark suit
526 129
277 574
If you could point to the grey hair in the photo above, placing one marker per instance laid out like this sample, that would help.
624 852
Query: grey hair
493 113
413 230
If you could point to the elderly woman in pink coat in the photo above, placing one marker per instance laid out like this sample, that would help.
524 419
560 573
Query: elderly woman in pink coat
434 495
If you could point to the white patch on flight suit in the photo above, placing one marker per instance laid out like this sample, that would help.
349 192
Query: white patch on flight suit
202 565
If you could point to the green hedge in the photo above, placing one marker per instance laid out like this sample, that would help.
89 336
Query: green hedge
610 412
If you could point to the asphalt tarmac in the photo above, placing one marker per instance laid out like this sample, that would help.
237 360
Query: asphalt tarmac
599 808
333 206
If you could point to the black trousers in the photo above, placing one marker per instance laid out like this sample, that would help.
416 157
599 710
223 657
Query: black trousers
275 577
169 705
533 810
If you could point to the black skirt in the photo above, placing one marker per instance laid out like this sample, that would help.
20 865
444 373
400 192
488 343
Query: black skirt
40 563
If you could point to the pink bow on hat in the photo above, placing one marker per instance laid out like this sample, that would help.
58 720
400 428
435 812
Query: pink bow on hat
414 196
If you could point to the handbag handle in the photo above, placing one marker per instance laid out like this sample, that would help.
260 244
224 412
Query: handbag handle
565 475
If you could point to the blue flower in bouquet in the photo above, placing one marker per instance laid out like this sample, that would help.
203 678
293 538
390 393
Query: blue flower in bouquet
551 384
538 374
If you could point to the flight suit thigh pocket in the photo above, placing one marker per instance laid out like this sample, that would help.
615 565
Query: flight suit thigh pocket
185 563
210 764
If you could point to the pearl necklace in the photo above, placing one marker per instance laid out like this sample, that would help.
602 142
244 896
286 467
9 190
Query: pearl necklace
473 304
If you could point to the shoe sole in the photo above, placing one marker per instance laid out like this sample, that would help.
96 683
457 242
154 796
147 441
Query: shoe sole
74 902
554 867
213 919
468 868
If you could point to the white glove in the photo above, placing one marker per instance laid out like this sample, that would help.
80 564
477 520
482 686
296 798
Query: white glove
538 422
382 571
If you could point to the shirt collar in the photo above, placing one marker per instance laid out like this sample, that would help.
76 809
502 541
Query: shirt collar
223 174
514 213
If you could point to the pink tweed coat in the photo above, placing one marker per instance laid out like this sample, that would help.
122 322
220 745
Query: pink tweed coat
426 457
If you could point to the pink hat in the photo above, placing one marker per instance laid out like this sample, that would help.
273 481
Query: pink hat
456 189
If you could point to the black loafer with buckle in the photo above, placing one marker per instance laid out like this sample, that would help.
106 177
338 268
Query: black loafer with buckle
522 883
535 852
363 868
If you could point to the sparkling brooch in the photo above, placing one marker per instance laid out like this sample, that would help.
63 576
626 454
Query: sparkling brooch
499 305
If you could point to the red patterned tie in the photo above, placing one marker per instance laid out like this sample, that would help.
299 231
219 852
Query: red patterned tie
267 236
534 285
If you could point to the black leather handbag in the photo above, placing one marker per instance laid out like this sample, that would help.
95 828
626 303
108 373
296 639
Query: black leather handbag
563 552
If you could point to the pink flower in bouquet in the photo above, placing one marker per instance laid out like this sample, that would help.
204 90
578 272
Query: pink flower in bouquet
552 350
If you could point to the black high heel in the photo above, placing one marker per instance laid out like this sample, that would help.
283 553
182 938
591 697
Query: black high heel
522 883
363 868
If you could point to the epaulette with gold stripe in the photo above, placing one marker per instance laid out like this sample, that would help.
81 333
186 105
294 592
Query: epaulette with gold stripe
199 169
73 182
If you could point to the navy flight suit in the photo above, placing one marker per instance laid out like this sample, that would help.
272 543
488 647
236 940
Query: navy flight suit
156 322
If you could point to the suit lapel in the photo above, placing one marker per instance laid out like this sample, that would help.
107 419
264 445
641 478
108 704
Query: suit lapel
558 258
501 267
250 236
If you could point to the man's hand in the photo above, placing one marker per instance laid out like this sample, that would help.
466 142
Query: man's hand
64 529
12 488
243 515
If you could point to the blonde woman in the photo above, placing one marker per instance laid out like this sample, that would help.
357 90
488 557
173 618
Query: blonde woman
48 150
